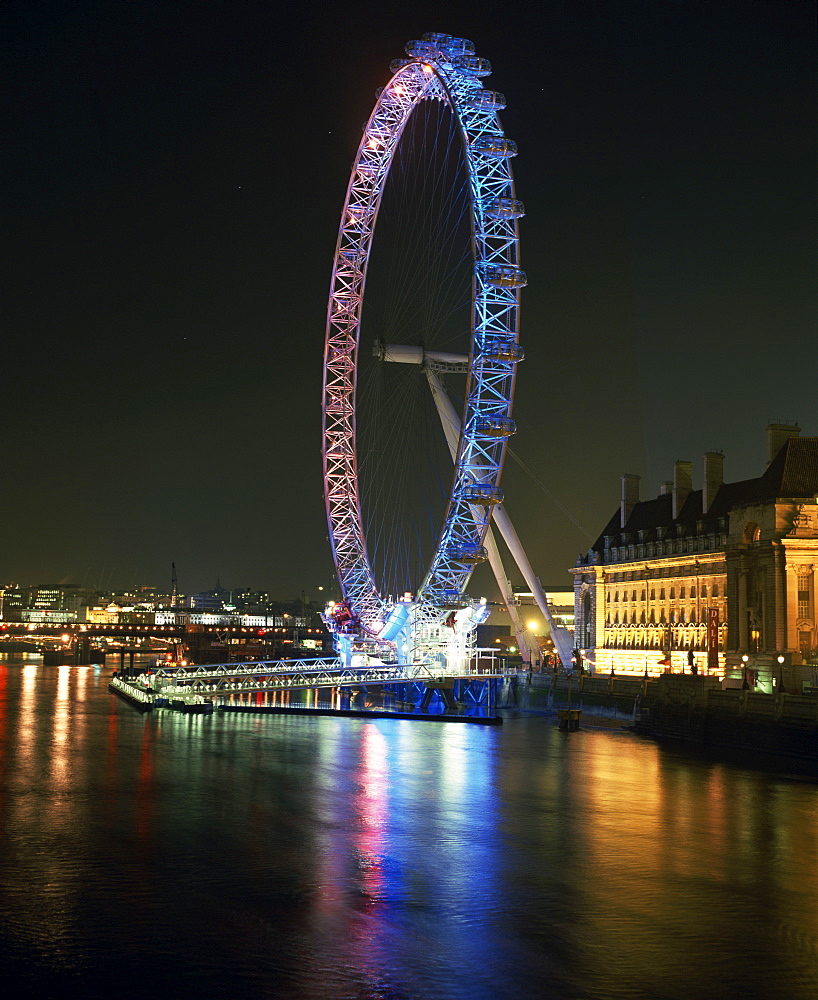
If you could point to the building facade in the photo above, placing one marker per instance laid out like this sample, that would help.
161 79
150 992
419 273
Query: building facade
720 578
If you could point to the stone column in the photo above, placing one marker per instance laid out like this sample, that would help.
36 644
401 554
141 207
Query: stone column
791 598
780 589
743 629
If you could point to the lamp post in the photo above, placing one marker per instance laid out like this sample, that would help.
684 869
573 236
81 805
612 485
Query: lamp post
534 645
781 688
744 660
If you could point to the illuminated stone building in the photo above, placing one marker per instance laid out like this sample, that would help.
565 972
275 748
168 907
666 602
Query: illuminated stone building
741 554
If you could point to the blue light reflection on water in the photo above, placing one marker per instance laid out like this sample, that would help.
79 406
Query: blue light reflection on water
251 856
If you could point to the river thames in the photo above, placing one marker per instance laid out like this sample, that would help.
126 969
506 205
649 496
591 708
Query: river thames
303 857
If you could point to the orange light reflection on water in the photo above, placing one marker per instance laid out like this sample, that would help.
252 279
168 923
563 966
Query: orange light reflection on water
659 832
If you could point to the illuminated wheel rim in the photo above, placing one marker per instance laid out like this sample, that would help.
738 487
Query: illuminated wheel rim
445 69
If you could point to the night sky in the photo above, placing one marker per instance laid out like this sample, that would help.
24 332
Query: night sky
174 175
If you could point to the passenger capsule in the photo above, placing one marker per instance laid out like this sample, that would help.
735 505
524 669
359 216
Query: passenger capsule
494 145
503 349
467 552
353 256
503 275
484 494
367 169
437 38
421 50
448 43
489 100
504 208
359 213
397 64
493 426
473 65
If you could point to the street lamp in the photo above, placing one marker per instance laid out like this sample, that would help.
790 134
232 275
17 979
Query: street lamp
781 688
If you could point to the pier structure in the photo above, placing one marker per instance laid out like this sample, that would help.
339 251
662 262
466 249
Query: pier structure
476 688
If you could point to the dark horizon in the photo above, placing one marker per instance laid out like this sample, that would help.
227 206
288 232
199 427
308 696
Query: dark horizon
175 177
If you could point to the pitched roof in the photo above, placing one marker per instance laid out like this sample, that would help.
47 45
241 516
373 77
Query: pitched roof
793 473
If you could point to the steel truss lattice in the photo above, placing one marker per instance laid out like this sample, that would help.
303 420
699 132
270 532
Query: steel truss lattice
445 69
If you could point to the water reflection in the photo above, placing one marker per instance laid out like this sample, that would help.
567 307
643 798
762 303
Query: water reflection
246 856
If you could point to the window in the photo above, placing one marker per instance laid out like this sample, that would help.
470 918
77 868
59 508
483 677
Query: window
643 595
662 594
673 593
715 590
653 595
692 592
704 590
633 598
803 597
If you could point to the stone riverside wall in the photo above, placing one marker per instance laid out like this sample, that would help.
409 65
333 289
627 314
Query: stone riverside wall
689 708
614 698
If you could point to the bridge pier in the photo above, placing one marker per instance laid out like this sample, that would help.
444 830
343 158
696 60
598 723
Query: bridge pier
445 688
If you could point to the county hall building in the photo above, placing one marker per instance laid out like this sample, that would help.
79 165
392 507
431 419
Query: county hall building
720 578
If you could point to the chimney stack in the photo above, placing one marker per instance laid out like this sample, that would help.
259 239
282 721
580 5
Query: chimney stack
630 497
777 436
682 485
713 478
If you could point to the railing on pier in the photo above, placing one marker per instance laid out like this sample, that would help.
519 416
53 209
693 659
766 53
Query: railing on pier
276 675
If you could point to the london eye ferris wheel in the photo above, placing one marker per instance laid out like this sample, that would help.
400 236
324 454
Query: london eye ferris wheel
444 71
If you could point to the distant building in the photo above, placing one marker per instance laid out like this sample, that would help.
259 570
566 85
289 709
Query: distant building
498 631
12 601
55 602
726 571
